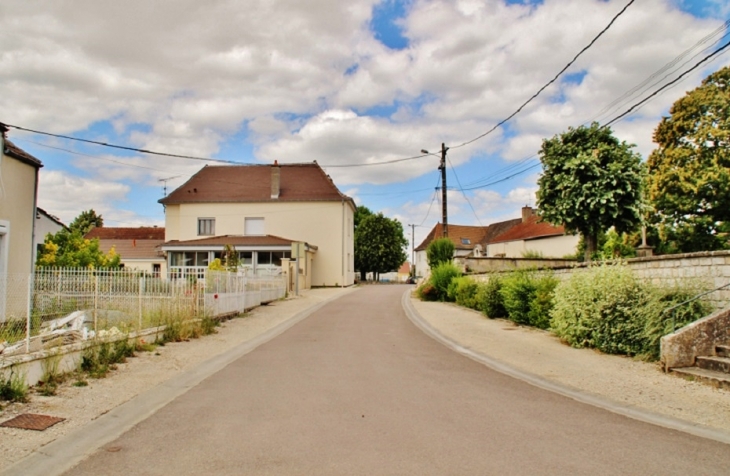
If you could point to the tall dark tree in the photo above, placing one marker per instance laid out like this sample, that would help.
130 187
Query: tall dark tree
86 221
590 182
689 171
379 245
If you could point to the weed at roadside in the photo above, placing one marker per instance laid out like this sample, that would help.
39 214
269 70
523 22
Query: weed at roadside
14 388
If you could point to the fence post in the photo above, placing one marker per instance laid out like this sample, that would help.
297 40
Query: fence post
96 304
29 309
141 289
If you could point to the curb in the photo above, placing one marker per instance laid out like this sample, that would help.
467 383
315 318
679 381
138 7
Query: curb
564 390
63 454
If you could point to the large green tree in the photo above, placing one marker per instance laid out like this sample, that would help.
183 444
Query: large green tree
689 171
69 249
379 245
591 182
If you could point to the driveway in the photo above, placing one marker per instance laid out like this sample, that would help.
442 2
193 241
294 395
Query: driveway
357 389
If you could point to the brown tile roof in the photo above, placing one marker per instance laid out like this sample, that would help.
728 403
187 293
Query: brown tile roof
529 230
252 183
473 234
139 233
234 240
496 229
405 268
133 249
14 151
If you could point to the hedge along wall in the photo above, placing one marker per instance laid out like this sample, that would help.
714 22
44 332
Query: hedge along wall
708 269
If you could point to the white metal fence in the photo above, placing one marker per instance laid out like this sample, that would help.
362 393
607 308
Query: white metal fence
59 306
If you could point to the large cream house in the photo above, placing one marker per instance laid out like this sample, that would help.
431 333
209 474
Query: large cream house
271 214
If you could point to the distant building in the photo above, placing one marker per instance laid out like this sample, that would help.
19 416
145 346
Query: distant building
531 236
138 248
45 224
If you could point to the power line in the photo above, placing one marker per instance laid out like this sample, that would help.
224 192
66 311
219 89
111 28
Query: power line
115 146
675 80
519 109
464 194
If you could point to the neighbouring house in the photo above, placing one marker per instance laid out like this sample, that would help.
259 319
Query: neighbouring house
138 248
399 276
18 195
531 236
467 240
45 223
273 215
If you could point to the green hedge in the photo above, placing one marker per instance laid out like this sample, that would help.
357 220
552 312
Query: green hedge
527 296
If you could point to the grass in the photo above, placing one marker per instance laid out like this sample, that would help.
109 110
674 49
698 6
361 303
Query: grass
52 377
13 389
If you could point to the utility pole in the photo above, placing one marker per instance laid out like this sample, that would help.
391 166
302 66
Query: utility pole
413 246
444 213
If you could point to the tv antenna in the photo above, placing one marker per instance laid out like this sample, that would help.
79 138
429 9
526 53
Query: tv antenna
165 180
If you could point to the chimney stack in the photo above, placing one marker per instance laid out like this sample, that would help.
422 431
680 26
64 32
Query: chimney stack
275 180
527 212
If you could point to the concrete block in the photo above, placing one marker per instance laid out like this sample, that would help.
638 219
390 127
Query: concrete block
718 261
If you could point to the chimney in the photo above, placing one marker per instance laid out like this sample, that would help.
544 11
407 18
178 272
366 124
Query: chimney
527 212
275 180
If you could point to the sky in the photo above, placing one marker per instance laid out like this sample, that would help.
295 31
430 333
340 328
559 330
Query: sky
354 85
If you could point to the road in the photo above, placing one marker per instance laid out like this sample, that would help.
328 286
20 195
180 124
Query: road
356 389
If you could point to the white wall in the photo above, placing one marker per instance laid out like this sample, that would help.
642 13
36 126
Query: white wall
549 247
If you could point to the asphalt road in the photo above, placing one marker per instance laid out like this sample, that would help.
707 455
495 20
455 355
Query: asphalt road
357 389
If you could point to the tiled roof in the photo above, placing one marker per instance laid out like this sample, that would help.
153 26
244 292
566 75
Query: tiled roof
460 234
139 233
531 229
252 183
405 268
14 151
233 240
133 249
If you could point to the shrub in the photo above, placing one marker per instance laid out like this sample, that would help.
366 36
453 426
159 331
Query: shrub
608 308
441 277
463 291
527 296
490 299
439 251
427 292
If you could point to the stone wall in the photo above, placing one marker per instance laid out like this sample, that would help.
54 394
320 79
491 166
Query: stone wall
708 270
681 348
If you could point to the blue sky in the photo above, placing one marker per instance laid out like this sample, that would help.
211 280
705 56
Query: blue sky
342 83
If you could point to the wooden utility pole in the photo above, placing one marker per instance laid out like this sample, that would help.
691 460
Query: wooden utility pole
444 213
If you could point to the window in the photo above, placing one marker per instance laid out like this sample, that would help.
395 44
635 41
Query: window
206 226
465 241
253 226
277 256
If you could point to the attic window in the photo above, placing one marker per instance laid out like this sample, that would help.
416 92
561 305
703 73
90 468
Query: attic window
253 226
465 241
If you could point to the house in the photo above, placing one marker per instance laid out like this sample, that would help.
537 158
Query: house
45 224
18 195
138 248
531 236
467 240
272 215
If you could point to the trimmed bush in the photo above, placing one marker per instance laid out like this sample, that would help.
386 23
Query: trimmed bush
463 291
490 298
527 296
441 277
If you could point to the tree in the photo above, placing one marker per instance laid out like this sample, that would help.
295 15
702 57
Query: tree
86 221
439 251
69 249
379 245
361 213
689 171
590 182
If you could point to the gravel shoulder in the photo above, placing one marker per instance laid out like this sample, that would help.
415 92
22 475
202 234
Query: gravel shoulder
80 405
629 382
